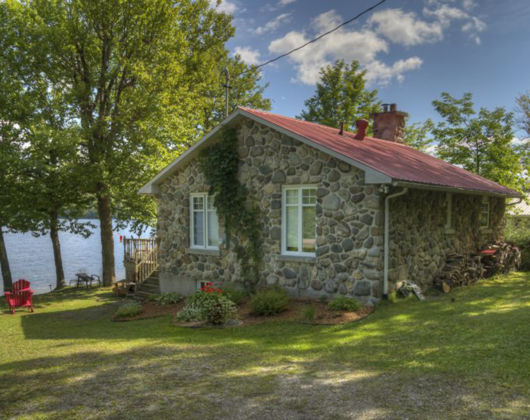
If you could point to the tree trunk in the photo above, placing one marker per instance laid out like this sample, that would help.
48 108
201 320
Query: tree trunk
4 262
54 236
107 240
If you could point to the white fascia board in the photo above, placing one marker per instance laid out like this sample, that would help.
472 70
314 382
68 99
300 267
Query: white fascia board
372 176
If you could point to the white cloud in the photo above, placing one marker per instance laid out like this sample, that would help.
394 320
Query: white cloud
409 29
363 45
285 2
382 74
225 6
474 27
273 24
326 21
248 55
405 28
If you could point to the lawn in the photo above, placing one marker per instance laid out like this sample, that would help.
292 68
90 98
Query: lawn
464 355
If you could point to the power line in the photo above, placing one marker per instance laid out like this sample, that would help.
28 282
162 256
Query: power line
272 60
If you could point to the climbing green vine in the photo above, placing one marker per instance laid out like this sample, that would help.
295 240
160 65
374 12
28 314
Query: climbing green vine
220 165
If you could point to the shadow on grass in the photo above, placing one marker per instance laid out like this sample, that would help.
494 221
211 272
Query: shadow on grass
449 359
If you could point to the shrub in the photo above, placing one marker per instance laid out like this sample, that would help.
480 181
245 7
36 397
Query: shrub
128 310
235 295
218 309
169 298
308 314
189 313
343 303
211 306
518 232
269 301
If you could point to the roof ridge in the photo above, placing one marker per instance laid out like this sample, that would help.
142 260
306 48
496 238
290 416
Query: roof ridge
294 119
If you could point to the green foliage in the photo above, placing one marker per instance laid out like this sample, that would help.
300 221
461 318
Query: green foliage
235 295
212 307
480 142
269 301
341 95
220 165
392 296
417 135
517 231
129 310
523 112
169 298
140 80
189 314
343 303
308 314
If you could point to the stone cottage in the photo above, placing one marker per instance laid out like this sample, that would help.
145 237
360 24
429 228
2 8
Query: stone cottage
342 213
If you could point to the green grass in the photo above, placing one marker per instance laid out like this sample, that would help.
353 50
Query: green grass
437 359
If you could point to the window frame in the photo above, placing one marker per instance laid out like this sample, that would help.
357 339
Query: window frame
206 197
300 206
485 201
449 219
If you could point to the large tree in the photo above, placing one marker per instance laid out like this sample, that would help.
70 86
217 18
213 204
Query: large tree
341 96
135 74
417 135
481 142
52 183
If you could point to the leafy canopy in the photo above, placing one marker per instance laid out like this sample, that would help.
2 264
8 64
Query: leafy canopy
341 95
481 142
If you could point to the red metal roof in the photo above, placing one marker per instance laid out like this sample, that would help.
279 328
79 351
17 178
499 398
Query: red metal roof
398 161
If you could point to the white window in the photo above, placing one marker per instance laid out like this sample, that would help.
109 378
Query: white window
204 226
449 211
299 220
485 213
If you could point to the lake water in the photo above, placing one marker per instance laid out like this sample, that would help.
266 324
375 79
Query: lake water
31 257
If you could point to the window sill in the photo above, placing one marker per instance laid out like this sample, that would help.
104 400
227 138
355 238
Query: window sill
298 258
200 251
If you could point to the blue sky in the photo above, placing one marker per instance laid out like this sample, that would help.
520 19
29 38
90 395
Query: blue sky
412 49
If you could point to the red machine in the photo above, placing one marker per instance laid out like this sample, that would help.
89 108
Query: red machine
21 295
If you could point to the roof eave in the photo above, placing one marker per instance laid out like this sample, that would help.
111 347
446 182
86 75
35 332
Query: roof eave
372 176
424 186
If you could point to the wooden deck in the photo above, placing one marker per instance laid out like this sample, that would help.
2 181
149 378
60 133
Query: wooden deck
140 258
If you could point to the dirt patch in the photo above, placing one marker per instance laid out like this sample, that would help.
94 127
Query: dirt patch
152 310
294 312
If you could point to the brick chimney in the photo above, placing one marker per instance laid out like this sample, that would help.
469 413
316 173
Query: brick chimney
389 124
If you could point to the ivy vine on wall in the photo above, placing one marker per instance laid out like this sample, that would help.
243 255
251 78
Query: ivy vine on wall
220 165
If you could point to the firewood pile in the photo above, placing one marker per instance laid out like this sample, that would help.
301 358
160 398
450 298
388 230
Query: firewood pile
507 257
460 270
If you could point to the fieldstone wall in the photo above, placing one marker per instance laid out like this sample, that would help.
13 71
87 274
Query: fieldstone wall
349 222
349 254
420 241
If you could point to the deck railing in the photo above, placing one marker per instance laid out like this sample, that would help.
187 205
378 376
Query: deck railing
140 258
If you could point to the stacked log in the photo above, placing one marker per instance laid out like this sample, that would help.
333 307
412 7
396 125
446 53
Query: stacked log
460 270
507 257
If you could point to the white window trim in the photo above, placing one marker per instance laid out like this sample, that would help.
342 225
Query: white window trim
205 197
449 213
485 200
299 188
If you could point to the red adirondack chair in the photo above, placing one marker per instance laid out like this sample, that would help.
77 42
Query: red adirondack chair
21 295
